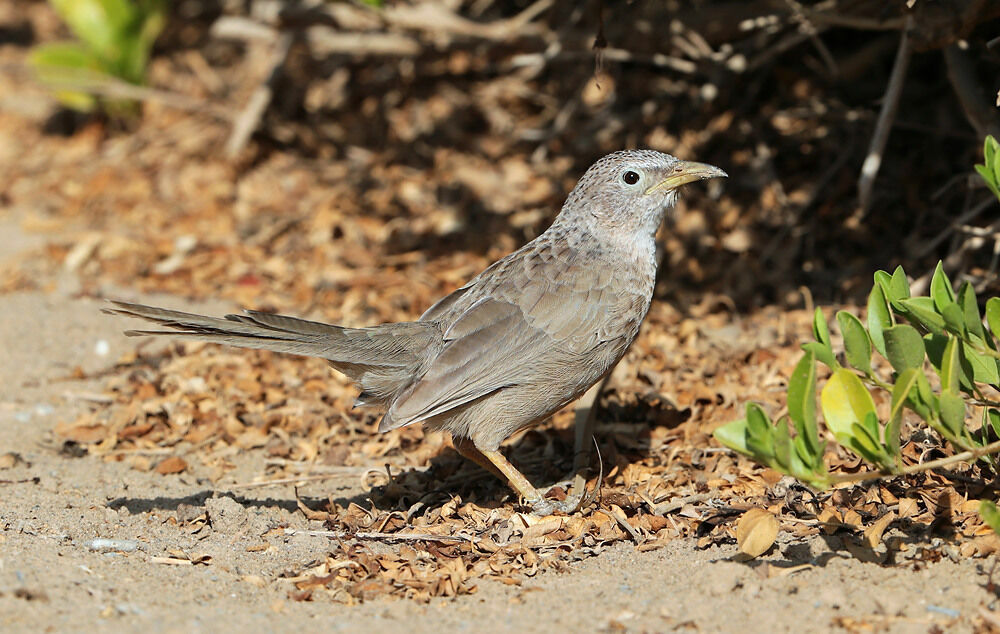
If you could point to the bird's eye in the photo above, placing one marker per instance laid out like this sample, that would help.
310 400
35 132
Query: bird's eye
630 177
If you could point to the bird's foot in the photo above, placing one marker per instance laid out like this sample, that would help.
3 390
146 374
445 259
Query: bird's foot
576 497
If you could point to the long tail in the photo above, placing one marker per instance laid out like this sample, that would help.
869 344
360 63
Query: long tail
382 359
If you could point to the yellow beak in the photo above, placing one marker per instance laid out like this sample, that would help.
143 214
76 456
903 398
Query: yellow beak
685 172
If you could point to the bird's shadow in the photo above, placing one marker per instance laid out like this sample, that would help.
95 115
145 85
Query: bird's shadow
545 456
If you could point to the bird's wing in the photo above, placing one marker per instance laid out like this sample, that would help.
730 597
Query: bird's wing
524 313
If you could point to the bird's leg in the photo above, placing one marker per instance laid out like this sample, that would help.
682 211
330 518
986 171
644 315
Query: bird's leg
468 450
524 488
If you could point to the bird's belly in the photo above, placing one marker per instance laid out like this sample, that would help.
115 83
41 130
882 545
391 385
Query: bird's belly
558 380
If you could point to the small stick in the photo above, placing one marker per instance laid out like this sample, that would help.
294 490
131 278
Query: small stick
248 120
293 480
410 537
965 456
890 104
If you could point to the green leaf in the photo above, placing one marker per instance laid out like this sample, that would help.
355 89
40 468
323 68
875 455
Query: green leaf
988 511
821 332
802 405
993 315
941 290
899 286
954 319
782 445
879 317
61 63
993 415
950 367
822 352
760 434
904 347
979 367
970 309
98 23
857 345
990 170
953 413
846 404
891 443
734 436
923 311
905 384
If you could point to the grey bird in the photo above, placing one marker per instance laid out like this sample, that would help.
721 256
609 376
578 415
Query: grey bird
516 343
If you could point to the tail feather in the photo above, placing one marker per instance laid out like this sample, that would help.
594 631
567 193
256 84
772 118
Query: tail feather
382 359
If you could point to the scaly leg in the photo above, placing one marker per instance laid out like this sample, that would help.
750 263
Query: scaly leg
468 450
521 485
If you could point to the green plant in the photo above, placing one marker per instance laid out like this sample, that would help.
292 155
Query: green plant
115 38
943 331
990 169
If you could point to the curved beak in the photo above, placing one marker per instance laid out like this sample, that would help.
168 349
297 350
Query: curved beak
685 172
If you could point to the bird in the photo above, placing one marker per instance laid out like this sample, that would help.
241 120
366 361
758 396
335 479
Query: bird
519 341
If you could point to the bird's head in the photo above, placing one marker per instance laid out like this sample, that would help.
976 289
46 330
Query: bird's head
629 191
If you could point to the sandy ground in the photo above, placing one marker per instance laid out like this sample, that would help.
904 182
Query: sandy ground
54 578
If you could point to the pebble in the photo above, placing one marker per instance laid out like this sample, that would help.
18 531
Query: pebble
121 545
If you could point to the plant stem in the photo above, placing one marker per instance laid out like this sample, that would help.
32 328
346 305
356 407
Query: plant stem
965 456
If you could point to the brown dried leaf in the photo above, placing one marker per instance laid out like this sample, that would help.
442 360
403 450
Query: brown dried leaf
756 531
173 464
873 534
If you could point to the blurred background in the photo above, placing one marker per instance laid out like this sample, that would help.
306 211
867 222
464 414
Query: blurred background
355 160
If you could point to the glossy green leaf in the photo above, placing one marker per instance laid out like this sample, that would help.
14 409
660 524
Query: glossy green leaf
899 286
891 444
845 401
760 434
782 444
954 319
978 367
990 169
904 347
821 332
922 311
941 290
802 404
970 310
879 317
734 436
857 345
822 352
950 367
993 315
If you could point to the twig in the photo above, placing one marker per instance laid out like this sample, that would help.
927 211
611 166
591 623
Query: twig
955 225
409 537
890 104
965 456
675 505
249 119
265 483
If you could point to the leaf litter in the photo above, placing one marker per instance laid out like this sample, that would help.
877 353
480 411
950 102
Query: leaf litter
365 237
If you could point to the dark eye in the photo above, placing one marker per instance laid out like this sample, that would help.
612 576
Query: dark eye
630 177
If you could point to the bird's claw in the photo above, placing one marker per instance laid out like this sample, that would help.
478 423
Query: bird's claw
575 498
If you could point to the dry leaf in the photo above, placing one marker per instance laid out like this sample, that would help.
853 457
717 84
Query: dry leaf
756 531
830 518
907 507
173 464
873 534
